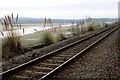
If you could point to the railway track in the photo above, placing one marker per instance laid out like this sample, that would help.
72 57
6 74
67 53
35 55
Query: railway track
42 67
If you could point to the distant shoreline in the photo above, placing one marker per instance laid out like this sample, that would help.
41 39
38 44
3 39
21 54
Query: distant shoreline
25 20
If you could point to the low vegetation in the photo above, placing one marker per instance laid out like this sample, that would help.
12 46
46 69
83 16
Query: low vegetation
58 36
47 22
47 37
11 39
75 29
52 36
91 27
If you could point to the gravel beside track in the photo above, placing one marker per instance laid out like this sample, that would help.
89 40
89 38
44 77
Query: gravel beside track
102 61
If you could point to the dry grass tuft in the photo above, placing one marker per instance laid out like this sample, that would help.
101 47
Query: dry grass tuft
59 36
91 27
75 29
11 39
47 37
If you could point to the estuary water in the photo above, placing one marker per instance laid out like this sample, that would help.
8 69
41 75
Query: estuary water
30 29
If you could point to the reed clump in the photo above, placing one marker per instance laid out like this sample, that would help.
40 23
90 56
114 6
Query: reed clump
47 37
11 39
75 29
52 36
58 37
91 27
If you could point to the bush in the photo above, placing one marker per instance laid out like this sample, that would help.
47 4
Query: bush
91 27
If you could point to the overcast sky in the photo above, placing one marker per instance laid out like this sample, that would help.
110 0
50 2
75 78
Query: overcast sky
69 9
